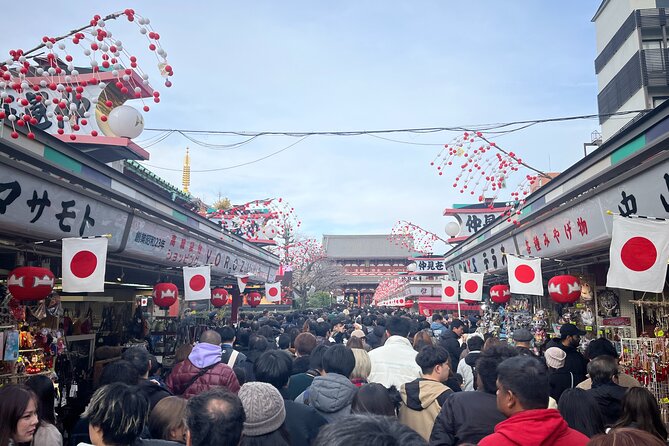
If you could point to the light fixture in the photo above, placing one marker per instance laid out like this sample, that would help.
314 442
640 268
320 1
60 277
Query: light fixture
119 279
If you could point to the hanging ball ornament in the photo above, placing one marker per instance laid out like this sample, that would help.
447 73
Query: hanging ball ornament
126 121
452 228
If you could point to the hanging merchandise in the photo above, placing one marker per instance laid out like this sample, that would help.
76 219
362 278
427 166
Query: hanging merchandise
30 283
647 361
564 289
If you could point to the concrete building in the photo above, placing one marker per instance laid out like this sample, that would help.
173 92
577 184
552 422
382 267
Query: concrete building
632 57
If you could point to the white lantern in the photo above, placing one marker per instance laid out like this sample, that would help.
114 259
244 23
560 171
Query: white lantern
452 228
270 231
411 267
126 121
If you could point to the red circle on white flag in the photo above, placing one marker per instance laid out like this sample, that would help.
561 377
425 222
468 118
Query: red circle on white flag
638 254
197 282
471 286
449 291
83 264
273 291
524 274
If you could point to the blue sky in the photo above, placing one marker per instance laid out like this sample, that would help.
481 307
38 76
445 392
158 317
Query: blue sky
352 65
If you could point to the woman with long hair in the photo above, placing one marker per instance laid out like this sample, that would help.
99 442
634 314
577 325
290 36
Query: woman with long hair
167 419
375 399
626 436
581 412
640 411
18 415
47 433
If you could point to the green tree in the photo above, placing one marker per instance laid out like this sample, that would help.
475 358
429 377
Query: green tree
319 299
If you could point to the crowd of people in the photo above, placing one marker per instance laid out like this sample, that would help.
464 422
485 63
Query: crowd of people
356 377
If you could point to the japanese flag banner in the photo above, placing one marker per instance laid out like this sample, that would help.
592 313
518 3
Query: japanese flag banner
449 291
471 286
273 292
638 254
241 282
196 282
525 276
84 264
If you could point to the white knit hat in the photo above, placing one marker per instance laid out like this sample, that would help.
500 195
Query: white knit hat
555 357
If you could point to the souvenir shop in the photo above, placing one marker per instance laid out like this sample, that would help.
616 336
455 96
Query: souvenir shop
566 226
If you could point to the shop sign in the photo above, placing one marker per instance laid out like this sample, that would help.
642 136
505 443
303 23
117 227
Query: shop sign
422 290
30 205
617 322
169 247
487 261
430 266
471 223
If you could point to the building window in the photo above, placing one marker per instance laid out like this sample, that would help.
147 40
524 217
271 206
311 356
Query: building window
651 44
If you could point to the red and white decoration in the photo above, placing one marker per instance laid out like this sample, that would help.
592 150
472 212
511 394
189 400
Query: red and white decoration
525 276
500 294
638 254
27 283
196 282
449 291
253 299
165 294
471 286
242 281
564 289
84 262
219 297
273 292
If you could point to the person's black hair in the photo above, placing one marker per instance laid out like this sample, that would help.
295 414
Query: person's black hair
293 332
487 362
429 357
279 437
368 429
475 343
155 365
599 347
374 399
267 332
42 386
639 410
437 317
339 359
258 343
284 341
320 329
139 357
215 417
273 367
119 371
527 378
316 357
581 412
227 334
398 326
457 323
14 399
602 369
243 337
119 411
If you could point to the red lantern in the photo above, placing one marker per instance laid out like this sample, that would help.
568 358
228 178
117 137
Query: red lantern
219 297
253 299
408 303
165 294
30 283
500 294
564 289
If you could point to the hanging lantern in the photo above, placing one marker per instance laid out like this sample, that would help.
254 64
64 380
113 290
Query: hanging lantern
254 299
219 297
564 289
27 283
165 294
500 294
408 303
126 121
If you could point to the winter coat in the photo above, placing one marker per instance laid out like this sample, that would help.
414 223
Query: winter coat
539 427
203 355
300 364
466 370
47 435
300 382
609 399
422 400
466 417
394 364
331 395
152 391
302 422
226 352
375 337
438 328
559 381
623 380
450 342
574 362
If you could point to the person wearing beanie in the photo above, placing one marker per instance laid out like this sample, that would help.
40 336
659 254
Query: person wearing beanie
559 378
570 339
265 415
203 369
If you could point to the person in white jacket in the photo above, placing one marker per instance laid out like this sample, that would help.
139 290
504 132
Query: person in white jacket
394 363
466 365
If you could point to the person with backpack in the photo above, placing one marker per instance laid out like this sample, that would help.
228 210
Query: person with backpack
467 368
203 369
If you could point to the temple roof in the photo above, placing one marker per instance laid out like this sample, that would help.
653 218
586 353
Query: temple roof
363 247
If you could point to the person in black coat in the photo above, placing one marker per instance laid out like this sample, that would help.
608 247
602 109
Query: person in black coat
575 362
608 394
450 341
140 359
467 417
302 422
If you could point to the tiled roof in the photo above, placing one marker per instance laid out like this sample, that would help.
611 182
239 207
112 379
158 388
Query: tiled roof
363 247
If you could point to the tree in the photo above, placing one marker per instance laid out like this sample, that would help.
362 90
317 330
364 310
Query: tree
321 299
222 204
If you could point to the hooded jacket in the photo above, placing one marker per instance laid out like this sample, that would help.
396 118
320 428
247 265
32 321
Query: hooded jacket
422 400
331 395
574 361
203 355
609 399
394 364
538 427
152 391
466 370
466 417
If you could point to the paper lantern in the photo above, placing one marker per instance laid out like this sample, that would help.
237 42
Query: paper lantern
27 283
408 303
452 228
219 297
564 289
253 299
126 121
500 294
165 294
